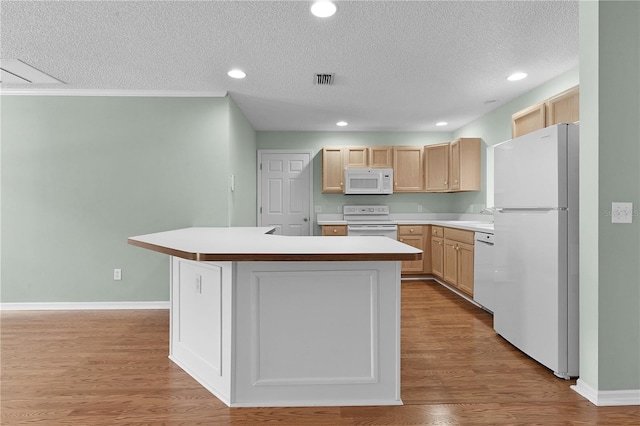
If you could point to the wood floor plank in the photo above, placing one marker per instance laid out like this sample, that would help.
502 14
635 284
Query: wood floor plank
111 368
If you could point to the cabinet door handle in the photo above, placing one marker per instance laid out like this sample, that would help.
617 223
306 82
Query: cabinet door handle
335 231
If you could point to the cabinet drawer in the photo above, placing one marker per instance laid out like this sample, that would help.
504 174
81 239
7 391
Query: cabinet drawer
329 230
410 230
437 231
459 235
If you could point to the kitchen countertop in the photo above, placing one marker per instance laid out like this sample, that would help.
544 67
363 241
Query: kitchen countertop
255 244
469 225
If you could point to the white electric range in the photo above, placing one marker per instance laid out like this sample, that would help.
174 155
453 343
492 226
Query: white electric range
369 220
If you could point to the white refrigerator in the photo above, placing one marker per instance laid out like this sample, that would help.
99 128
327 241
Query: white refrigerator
536 245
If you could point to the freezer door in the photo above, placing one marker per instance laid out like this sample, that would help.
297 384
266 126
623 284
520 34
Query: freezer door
530 309
530 171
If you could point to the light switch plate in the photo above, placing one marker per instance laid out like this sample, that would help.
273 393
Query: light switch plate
621 212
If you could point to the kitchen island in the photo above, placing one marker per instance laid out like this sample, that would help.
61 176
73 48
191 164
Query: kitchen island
271 320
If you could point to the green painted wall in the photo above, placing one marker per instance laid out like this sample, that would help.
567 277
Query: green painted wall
81 174
589 193
618 159
243 162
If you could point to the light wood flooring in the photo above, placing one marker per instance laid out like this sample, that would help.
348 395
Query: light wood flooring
111 368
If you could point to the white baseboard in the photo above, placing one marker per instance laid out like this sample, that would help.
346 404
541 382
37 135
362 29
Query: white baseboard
607 398
77 306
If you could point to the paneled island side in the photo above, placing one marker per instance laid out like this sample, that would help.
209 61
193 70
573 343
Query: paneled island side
266 320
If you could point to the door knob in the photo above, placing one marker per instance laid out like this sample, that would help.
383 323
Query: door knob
305 219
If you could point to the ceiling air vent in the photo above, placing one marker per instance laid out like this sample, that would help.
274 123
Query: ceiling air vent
323 79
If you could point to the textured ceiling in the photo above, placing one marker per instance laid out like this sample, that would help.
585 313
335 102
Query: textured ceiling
399 65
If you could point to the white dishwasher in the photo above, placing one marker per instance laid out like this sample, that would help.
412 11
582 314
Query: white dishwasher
483 267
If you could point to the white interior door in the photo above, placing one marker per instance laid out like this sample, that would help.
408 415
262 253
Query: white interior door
285 188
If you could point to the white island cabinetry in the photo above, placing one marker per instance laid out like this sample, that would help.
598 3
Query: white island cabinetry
265 324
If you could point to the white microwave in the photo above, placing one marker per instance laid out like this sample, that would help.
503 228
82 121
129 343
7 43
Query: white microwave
368 181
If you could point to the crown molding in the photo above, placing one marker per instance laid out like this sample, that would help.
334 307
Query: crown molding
120 93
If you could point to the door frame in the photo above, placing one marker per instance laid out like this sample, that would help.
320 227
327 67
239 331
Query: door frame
259 186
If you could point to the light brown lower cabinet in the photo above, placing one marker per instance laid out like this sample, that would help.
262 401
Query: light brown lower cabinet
465 268
437 251
450 270
412 235
458 259
334 230
418 236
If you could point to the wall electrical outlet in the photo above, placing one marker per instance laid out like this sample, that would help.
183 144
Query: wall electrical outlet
621 212
318 209
419 208
117 274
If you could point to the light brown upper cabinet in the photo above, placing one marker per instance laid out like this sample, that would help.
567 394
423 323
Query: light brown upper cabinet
380 157
464 165
335 160
356 156
446 167
561 108
333 170
408 169
437 167
528 120
564 107
454 166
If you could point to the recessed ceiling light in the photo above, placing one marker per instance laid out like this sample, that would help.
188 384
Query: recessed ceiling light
236 73
441 123
517 76
341 123
323 9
